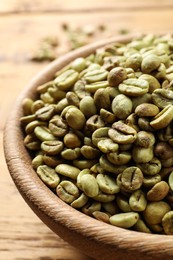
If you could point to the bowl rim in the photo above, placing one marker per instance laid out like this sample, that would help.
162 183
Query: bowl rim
43 201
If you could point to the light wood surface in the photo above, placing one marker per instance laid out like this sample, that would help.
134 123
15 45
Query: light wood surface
23 24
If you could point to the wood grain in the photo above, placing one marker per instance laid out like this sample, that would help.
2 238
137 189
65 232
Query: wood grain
78 6
23 24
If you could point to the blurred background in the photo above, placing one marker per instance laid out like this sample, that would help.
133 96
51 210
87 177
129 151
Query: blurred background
32 34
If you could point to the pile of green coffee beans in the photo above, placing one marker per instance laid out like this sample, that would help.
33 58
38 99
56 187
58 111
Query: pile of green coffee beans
101 134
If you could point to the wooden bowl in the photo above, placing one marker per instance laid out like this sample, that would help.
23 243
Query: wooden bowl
94 238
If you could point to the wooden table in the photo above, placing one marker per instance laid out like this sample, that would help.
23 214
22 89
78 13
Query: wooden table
23 24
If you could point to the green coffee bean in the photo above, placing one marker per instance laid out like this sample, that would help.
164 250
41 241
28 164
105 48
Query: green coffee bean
121 133
31 142
165 84
122 106
137 44
116 76
89 185
45 113
131 120
137 201
32 125
149 63
81 173
107 116
141 226
71 154
72 98
78 64
91 207
113 92
64 111
93 87
162 97
94 122
79 89
67 191
163 150
110 62
107 184
160 73
56 93
164 58
89 152
95 75
107 146
124 220
84 163
150 181
167 221
132 178
66 80
48 176
37 104
119 158
75 118
37 161
47 98
134 87
158 192
145 139
153 82
144 124
61 105
27 119
155 211
163 118
87 106
152 167
52 160
67 170
102 99
93 66
27 106
134 61
102 216
87 141
72 140
110 167
52 147
142 154
80 201
44 134
104 197
100 134
58 126
146 109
